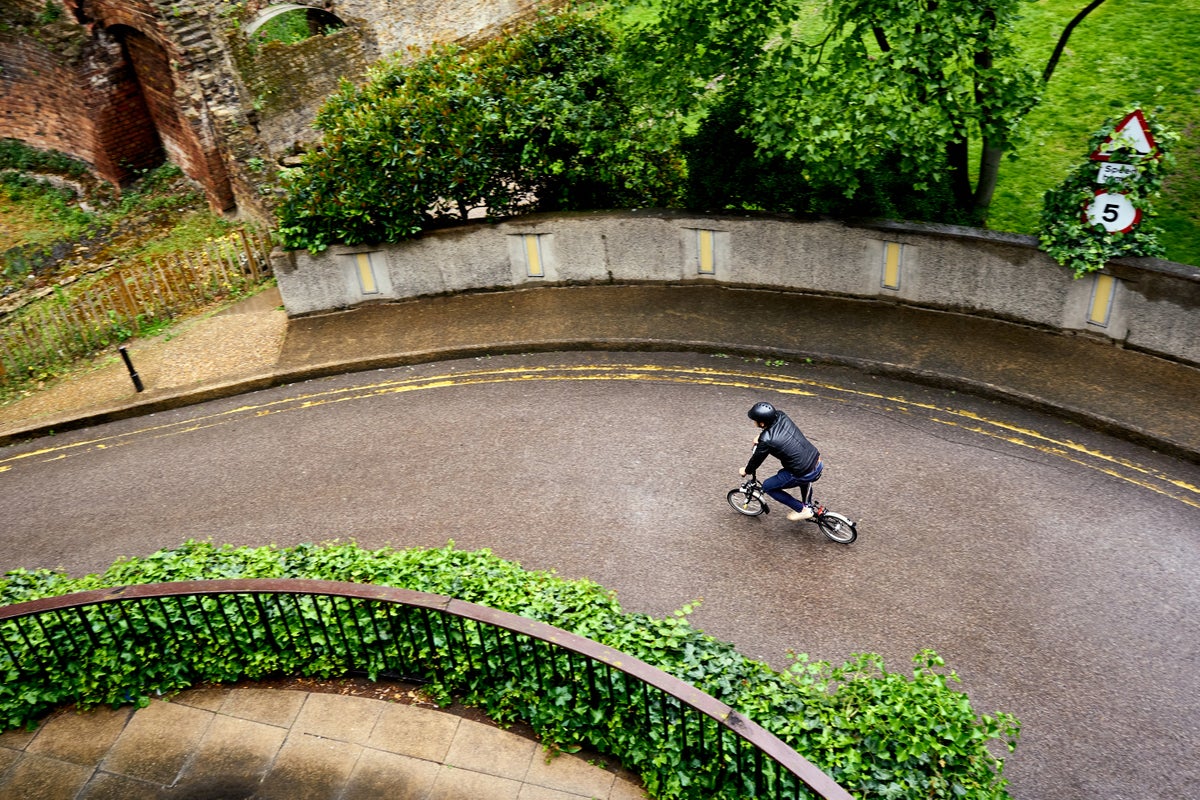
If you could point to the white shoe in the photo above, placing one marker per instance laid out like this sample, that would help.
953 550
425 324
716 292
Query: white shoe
796 516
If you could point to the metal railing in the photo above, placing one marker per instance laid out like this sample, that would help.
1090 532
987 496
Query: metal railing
161 629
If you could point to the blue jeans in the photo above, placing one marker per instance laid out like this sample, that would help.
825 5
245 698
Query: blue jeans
775 485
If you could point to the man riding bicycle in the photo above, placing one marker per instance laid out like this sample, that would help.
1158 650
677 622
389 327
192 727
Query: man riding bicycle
800 459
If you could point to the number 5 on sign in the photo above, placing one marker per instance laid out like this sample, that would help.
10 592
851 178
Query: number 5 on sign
1113 211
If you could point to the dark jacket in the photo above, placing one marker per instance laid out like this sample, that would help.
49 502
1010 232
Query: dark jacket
784 440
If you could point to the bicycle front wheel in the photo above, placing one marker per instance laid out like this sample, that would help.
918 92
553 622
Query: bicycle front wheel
836 527
746 503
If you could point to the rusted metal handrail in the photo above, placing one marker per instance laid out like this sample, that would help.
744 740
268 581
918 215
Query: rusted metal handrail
46 613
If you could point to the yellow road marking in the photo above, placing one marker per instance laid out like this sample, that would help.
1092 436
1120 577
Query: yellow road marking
964 420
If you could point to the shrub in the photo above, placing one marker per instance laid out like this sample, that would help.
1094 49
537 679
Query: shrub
537 120
1066 233
875 732
23 158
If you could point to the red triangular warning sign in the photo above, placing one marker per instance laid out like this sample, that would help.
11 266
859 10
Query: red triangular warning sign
1133 134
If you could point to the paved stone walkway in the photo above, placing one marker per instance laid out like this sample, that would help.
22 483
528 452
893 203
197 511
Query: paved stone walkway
268 744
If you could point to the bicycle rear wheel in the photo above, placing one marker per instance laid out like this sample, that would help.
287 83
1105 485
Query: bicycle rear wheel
837 527
745 502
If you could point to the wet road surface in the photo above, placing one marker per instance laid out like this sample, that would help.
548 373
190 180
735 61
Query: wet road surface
1052 567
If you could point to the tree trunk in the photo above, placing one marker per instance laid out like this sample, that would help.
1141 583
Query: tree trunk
957 156
989 158
989 171
1062 39
881 39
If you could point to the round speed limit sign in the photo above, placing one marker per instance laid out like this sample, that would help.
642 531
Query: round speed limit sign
1113 211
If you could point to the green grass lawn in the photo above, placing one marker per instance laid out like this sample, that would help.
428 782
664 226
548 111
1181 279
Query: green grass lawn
1126 52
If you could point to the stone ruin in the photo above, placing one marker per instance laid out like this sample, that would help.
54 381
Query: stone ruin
124 85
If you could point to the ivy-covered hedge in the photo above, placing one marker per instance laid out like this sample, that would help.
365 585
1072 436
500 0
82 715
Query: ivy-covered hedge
877 733
1073 240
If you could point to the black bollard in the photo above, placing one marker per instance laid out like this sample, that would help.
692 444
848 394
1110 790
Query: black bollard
137 382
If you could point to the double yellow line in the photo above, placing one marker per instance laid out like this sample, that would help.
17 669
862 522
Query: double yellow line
968 421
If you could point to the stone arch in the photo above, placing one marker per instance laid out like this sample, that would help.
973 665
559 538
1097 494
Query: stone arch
317 18
127 127
291 70
183 134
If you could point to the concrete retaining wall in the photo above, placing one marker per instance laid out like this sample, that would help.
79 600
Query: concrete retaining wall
1143 303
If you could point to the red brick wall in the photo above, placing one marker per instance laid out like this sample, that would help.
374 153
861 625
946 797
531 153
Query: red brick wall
97 86
82 100
125 137
41 101
120 83
153 71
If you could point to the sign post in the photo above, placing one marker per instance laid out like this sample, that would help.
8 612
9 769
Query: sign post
1132 133
1112 209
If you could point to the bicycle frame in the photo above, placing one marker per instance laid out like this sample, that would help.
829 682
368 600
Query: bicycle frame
753 486
750 500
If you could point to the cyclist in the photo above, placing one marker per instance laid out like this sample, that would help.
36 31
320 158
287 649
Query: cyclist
800 459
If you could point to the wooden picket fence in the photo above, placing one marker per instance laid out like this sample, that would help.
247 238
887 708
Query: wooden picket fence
76 322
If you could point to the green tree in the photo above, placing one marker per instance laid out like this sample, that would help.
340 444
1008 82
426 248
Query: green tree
538 120
852 93
727 170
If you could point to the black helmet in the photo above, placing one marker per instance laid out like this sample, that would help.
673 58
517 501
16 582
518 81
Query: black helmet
762 412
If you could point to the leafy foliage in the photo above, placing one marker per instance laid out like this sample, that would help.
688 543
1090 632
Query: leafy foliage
55 211
882 86
293 27
23 158
1066 233
875 732
727 171
58 226
538 120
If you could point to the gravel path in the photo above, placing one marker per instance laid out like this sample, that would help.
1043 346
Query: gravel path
240 340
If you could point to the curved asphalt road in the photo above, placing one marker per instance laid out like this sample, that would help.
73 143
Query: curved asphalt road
1052 567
